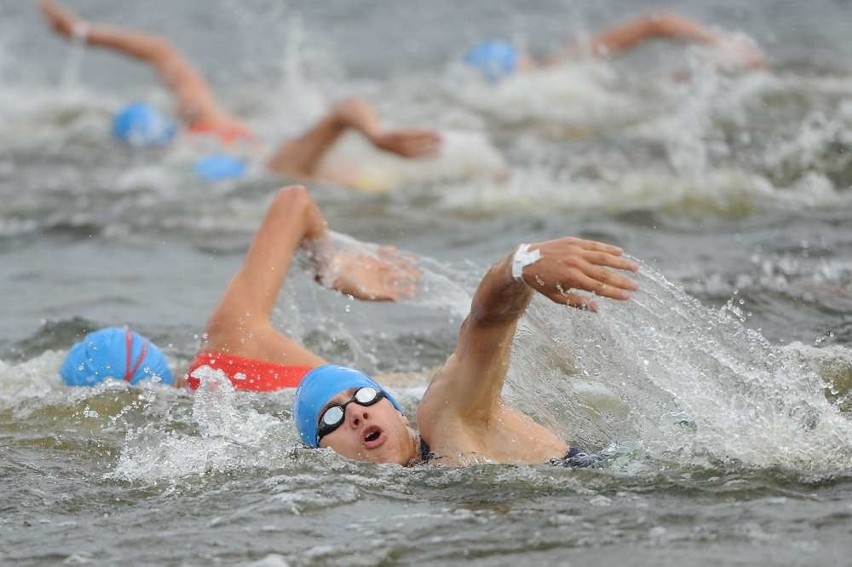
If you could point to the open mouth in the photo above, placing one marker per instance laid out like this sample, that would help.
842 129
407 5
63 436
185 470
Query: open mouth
373 437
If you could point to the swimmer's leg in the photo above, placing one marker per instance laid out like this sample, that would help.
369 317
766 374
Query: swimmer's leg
303 156
194 96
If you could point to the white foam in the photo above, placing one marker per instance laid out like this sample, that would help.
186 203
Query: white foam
689 383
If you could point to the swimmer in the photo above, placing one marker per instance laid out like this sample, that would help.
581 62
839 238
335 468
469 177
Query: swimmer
462 418
198 109
240 338
498 59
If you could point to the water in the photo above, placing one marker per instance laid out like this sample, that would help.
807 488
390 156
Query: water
722 392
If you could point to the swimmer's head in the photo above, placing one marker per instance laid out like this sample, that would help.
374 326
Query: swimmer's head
116 353
140 124
348 411
494 59
220 167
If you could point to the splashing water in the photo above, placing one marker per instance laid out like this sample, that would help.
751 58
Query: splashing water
681 380
76 54
436 286
228 435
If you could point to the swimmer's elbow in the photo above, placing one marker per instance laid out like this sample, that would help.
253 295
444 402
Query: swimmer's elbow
293 193
294 198
161 48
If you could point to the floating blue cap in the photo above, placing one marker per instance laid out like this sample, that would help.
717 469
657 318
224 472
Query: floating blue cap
140 124
495 59
318 387
117 353
220 167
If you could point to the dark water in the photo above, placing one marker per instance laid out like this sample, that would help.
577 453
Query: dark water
721 391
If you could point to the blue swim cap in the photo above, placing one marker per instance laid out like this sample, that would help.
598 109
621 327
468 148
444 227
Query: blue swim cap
140 124
495 59
220 167
318 387
117 353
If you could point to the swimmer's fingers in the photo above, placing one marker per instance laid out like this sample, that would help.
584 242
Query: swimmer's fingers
580 302
608 283
575 300
594 246
405 263
576 279
603 282
611 260
402 290
735 52
575 264
404 283
426 143
371 278
410 142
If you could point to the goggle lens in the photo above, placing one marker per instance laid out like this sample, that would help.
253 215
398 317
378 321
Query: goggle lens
333 416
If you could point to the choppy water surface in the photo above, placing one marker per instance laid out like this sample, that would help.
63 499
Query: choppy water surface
721 392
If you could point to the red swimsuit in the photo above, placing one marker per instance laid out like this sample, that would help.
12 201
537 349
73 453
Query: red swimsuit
226 134
248 373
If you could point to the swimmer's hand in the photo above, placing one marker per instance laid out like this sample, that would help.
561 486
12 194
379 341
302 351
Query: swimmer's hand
356 113
571 264
409 142
385 275
737 52
62 20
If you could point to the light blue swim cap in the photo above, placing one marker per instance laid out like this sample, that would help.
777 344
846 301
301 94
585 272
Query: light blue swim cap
495 59
220 167
140 124
318 387
117 353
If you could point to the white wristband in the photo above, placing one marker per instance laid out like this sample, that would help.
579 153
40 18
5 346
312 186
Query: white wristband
80 32
523 258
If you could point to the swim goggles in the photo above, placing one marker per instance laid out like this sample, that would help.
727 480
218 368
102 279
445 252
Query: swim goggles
333 416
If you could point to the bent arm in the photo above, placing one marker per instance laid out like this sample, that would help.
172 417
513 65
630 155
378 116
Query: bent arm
241 322
193 94
631 34
303 155
470 383
657 26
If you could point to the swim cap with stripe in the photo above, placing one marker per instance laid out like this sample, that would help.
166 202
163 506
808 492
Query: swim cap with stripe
117 353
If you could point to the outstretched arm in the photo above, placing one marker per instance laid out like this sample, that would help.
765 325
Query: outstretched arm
302 156
241 323
633 33
470 383
195 99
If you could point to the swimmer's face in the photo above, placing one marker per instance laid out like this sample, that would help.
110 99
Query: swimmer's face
377 433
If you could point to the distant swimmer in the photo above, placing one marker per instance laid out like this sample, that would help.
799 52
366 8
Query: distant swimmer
462 418
240 340
201 114
496 59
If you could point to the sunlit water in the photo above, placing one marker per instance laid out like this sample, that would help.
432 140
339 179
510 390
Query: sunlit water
720 393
